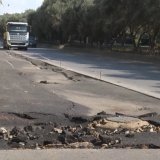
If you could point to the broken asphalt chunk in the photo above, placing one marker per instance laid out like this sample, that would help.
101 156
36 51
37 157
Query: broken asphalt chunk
3 131
19 138
43 82
79 119
58 130
81 145
28 129
109 140
152 114
67 138
155 120
129 134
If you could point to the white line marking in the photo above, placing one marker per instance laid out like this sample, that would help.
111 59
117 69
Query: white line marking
44 57
10 64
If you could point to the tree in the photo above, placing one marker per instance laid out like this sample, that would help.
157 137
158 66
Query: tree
93 21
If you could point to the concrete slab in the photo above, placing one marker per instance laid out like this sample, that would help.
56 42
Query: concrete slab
80 155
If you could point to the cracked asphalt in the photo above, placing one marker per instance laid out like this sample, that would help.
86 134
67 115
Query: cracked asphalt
34 86
41 97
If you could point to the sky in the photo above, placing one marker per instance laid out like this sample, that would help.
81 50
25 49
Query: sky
18 6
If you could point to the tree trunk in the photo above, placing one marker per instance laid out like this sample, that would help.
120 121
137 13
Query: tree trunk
153 39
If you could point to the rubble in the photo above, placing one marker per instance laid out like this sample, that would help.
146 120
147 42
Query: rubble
84 145
129 134
57 130
109 140
3 130
104 132
43 82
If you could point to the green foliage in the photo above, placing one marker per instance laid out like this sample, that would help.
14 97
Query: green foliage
93 20
17 17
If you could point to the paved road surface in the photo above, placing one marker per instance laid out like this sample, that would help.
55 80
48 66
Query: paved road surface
139 75
92 96
81 155
20 91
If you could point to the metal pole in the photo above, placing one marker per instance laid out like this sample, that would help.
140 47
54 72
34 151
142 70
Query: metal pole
100 75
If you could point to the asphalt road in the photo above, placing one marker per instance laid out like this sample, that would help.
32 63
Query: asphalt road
136 74
19 93
65 92
34 92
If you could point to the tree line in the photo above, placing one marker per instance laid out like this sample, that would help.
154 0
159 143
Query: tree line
96 21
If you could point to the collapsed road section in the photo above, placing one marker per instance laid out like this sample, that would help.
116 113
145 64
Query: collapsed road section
102 131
